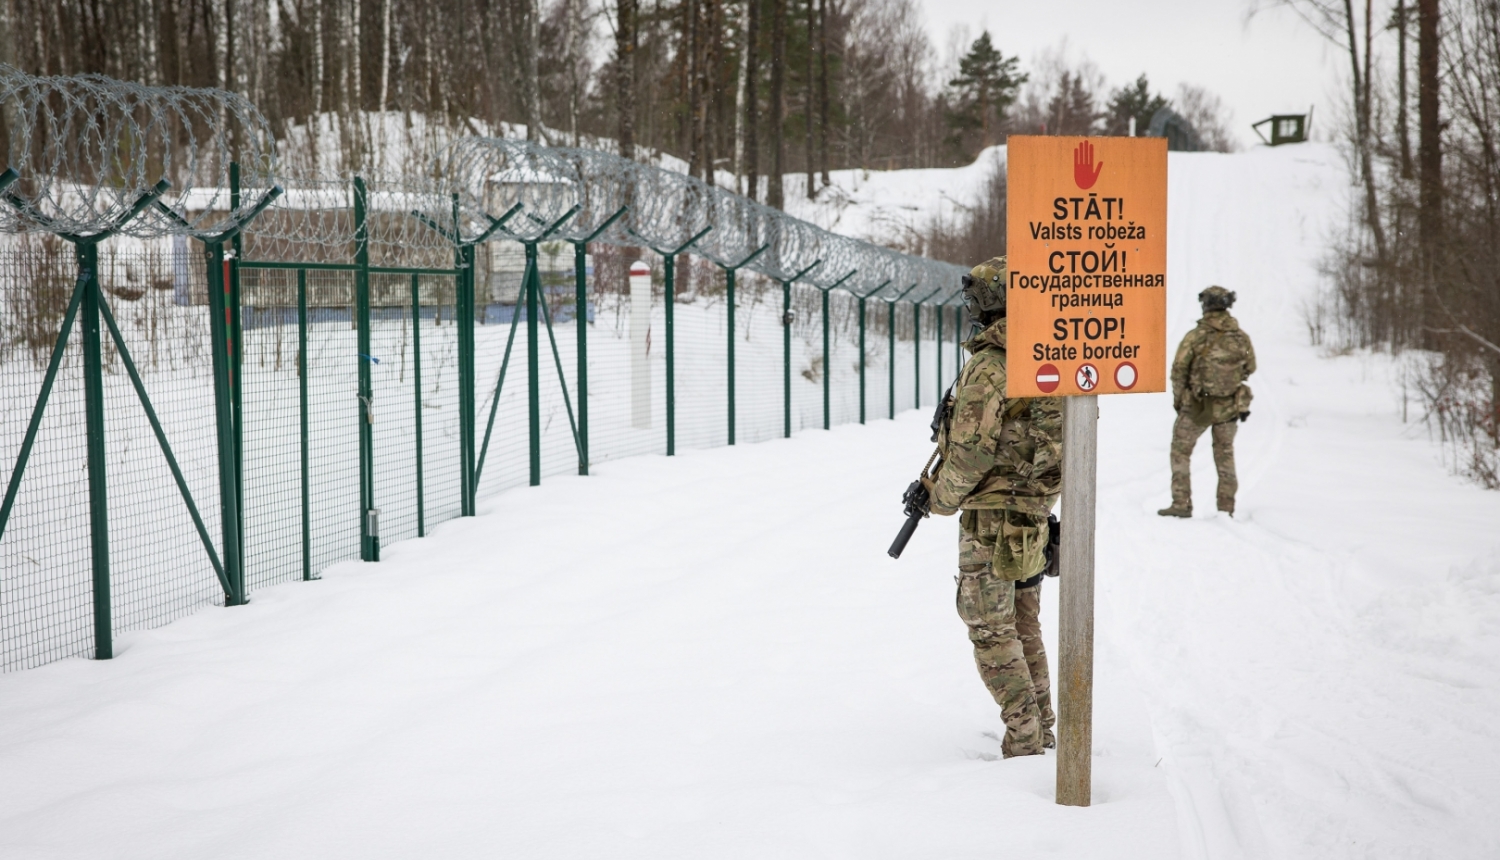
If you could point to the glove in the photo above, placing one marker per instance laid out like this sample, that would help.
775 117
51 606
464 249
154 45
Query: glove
1245 416
918 497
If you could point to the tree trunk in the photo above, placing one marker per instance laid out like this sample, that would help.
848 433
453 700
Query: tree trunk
385 52
713 21
692 76
229 76
356 70
752 100
808 100
823 87
530 84
625 76
1429 153
778 107
166 40
738 165
318 68
1362 127
1403 134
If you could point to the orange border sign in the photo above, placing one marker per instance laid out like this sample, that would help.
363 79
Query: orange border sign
1086 238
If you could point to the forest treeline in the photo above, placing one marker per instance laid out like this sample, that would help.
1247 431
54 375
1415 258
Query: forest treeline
748 89
1419 269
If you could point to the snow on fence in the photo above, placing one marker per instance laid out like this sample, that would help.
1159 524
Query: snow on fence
218 379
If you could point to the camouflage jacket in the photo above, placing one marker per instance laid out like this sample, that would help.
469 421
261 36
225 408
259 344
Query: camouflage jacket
997 452
1210 369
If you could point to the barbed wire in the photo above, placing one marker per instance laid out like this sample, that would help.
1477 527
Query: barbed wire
87 148
665 209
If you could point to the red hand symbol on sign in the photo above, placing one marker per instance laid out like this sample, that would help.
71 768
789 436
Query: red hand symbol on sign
1085 172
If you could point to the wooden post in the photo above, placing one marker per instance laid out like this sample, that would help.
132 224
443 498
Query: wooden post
1075 689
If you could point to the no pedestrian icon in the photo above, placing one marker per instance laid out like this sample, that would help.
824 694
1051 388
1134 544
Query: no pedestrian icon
1047 378
1087 377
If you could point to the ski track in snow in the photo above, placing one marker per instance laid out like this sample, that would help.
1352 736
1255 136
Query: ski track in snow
711 655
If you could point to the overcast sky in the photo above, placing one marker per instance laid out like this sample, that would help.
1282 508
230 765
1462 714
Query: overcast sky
1269 63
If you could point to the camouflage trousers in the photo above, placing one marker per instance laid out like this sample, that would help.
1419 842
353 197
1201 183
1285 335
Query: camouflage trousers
1029 626
1185 435
1006 634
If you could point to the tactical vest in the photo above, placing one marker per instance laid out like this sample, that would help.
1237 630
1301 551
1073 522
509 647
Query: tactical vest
1018 482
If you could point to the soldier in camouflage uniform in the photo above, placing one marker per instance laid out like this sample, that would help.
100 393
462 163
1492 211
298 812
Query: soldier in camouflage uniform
1209 393
1001 471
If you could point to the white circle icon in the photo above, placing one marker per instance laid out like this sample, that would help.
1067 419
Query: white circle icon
1125 376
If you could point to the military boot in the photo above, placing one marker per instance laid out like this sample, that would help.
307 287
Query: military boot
1176 511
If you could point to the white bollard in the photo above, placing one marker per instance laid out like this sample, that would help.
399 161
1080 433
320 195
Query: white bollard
640 345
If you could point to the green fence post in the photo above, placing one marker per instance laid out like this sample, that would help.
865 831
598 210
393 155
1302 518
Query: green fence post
307 573
465 290
464 287
827 367
729 348
469 277
937 343
221 336
93 388
416 348
729 279
861 359
670 267
916 352
890 368
581 284
786 359
786 347
669 259
237 334
369 525
891 364
862 347
580 273
916 346
533 365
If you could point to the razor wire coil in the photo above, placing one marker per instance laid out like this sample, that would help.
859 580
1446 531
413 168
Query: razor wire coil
86 148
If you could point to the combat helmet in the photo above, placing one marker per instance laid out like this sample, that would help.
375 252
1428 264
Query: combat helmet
984 289
1216 299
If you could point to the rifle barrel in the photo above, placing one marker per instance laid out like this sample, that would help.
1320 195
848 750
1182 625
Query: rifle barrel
908 529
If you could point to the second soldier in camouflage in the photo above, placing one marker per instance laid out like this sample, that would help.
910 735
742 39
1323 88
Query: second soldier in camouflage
1209 393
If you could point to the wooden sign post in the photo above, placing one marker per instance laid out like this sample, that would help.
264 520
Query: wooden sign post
1086 238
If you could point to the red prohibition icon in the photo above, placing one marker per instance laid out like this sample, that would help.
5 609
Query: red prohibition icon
1047 378
1126 376
1087 377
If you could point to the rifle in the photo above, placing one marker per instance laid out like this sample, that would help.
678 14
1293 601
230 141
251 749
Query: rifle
915 499
917 503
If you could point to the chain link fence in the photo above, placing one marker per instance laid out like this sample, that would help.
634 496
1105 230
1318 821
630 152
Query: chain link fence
217 379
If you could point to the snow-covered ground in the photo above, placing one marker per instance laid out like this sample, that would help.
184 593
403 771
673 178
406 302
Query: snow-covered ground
710 655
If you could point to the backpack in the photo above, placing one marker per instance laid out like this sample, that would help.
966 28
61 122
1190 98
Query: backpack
1218 365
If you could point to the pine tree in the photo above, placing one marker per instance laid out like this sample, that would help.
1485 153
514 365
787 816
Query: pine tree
1132 100
1071 109
986 86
